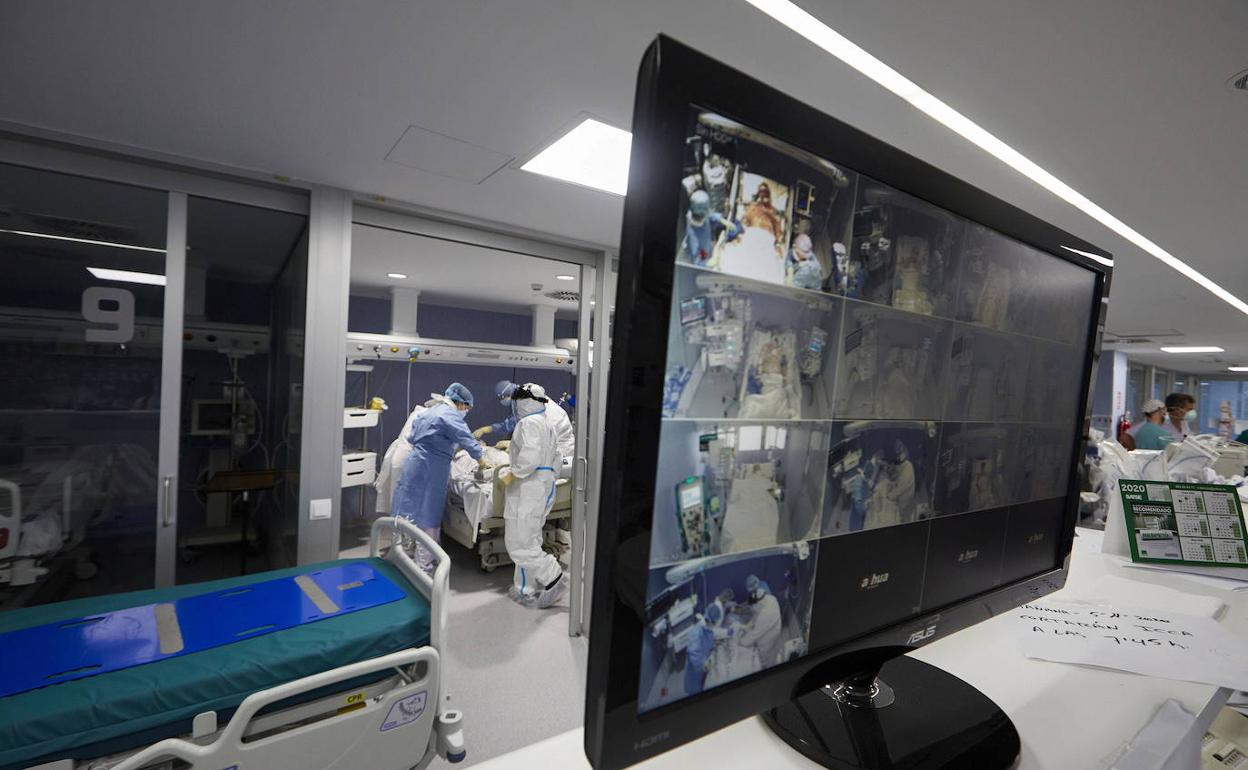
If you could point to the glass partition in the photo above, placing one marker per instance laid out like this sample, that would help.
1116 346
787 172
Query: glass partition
81 308
242 372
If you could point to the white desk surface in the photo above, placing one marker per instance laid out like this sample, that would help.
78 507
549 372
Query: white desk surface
1067 716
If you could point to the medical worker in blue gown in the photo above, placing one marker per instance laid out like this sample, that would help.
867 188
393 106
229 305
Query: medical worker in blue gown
701 642
420 496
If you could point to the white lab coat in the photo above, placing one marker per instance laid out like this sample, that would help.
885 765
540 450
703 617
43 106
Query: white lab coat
535 460
392 463
903 492
882 510
764 632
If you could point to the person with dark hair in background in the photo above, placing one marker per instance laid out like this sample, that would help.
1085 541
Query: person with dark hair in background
1181 409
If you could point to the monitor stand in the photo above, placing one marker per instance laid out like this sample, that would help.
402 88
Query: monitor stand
922 719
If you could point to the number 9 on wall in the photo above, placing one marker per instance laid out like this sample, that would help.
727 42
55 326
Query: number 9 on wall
110 306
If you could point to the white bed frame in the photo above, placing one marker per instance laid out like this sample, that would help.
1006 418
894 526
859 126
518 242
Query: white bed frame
486 539
23 570
398 723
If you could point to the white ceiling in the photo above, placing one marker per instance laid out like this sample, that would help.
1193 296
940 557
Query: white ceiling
1123 99
448 272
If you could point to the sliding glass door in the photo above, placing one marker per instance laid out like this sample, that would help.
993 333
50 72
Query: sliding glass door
81 328
152 349
241 399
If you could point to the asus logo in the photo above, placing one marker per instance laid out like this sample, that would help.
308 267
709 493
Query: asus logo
921 635
874 580
646 743
1036 538
966 556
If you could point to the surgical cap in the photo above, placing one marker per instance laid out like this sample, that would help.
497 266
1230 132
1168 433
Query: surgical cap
714 614
459 394
752 583
1152 405
504 388
699 204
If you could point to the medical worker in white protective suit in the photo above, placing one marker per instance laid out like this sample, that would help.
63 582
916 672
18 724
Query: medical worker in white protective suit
530 482
903 485
555 415
763 632
396 455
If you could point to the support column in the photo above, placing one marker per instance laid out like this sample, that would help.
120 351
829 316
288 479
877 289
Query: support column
324 373
543 326
404 304
1120 391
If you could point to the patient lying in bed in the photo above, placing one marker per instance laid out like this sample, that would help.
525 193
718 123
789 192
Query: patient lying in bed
768 394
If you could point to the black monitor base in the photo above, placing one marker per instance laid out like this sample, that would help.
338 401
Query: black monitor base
914 717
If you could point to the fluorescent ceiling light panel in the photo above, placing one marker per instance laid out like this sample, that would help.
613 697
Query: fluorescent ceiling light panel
126 276
593 155
1094 257
1194 349
1237 368
565 277
814 30
396 276
109 244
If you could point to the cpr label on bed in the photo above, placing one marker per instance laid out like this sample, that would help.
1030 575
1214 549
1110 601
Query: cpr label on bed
405 711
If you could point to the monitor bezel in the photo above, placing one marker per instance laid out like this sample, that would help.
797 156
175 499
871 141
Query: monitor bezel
673 79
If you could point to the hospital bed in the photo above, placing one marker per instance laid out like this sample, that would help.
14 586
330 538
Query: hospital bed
773 395
30 542
474 511
353 685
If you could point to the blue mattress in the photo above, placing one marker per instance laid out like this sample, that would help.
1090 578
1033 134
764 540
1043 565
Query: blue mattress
136 706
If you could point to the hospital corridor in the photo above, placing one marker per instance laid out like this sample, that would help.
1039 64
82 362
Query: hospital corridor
419 385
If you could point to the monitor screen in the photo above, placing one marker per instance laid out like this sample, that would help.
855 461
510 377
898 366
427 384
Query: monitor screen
693 310
879 406
946 416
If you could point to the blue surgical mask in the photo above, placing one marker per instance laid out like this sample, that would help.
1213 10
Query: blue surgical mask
1190 416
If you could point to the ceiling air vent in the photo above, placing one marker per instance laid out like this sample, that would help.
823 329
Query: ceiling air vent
1239 82
81 228
563 296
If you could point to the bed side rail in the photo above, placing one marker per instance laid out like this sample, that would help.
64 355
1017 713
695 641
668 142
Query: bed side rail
435 588
341 740
11 524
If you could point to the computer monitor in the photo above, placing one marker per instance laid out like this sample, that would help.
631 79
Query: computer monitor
215 417
864 439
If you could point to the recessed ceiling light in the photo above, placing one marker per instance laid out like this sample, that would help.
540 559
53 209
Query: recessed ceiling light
1237 368
1194 349
127 276
831 41
565 277
593 154
109 244
396 276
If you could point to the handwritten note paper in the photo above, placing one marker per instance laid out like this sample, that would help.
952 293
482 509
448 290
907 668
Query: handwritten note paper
1162 644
